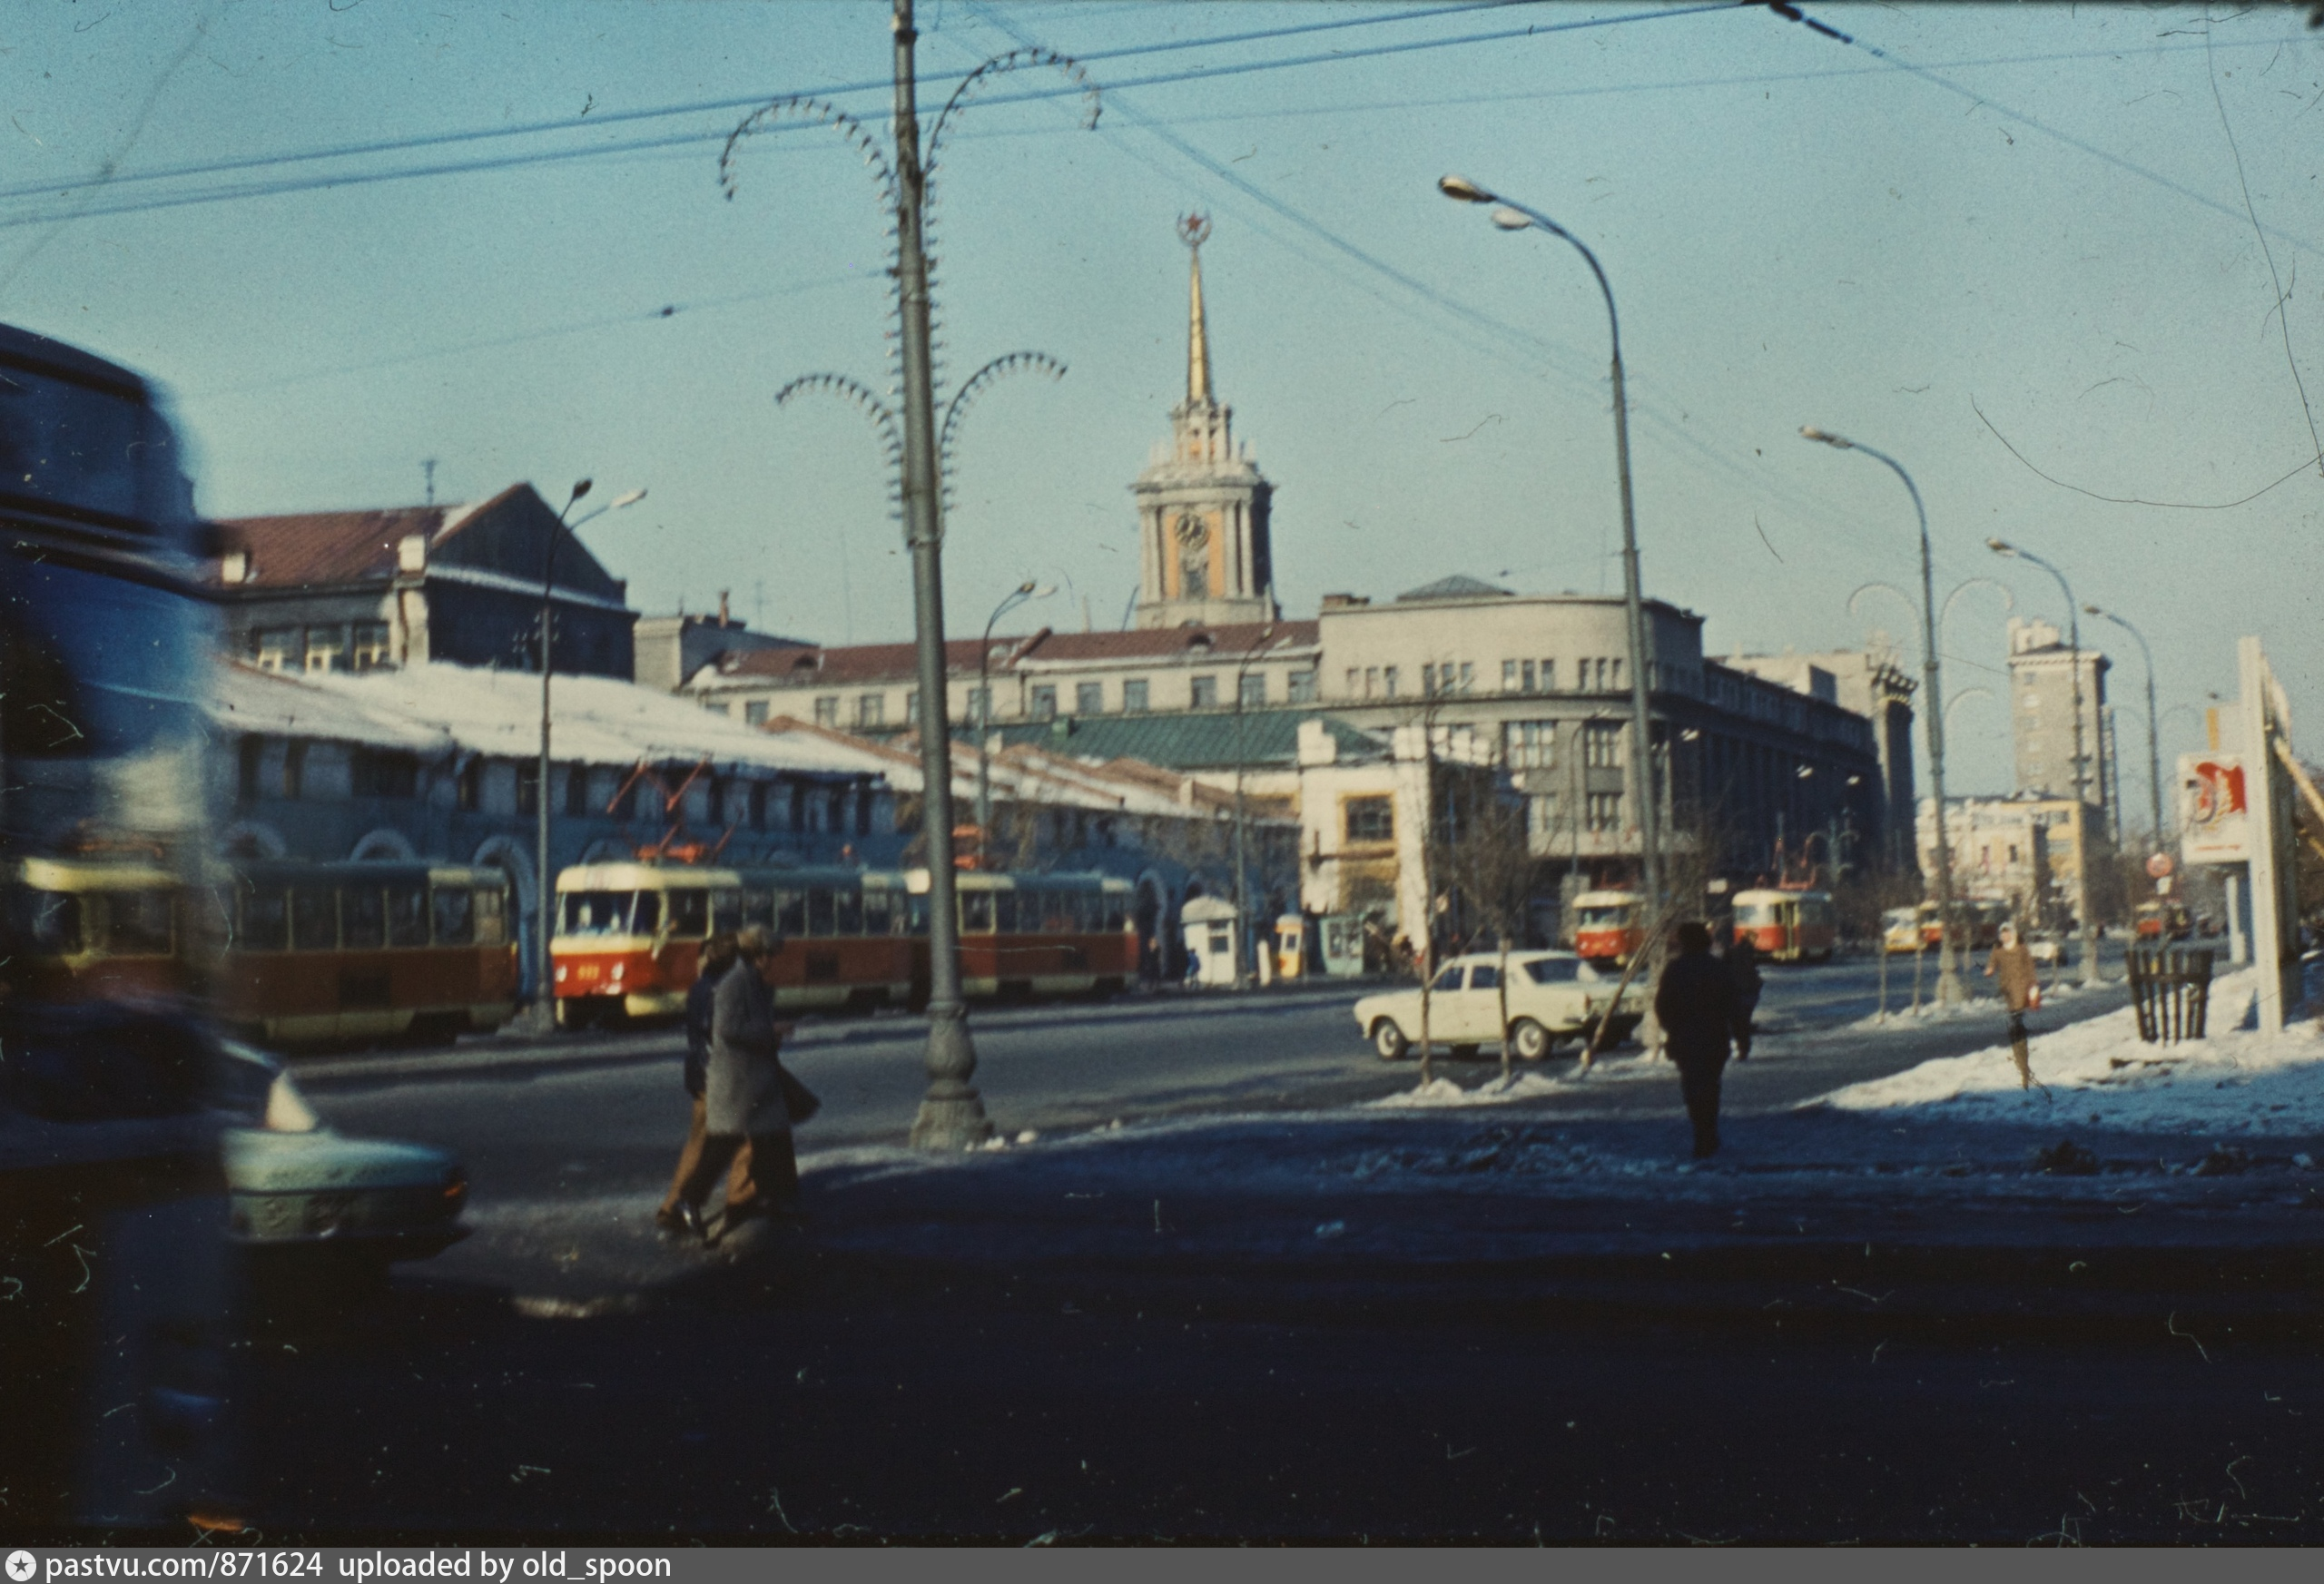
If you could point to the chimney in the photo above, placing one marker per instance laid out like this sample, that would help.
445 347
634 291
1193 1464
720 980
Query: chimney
235 566
722 607
411 554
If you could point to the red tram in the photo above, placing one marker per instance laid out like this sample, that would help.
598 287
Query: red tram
1788 926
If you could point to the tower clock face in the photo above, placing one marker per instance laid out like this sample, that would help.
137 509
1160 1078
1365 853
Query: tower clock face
1191 531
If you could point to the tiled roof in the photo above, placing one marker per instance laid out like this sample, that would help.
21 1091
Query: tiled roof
1210 740
861 664
329 546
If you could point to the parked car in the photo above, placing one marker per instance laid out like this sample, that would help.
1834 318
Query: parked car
1554 996
294 1184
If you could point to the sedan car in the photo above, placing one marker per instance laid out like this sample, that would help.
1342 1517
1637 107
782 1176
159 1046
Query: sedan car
293 1183
1553 996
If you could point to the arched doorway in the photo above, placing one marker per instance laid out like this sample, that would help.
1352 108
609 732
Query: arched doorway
384 845
509 857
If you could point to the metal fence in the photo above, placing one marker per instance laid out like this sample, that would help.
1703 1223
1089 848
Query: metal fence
2170 986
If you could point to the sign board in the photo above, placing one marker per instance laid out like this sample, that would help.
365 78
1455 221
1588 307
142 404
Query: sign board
2215 809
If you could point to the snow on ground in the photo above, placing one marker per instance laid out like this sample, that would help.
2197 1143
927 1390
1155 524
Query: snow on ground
1443 1093
2234 1081
1980 1004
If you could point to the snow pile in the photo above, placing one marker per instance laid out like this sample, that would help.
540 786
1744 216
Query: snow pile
1443 1093
2234 1081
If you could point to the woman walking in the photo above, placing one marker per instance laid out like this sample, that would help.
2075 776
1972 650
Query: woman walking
2011 968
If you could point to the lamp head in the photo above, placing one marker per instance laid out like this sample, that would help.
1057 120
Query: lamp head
1026 587
1822 437
1511 219
2001 547
632 498
1463 189
1045 590
2092 610
579 489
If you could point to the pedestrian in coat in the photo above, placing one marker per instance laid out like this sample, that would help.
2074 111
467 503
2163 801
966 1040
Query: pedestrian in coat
1743 969
718 956
2011 968
747 1097
1697 1006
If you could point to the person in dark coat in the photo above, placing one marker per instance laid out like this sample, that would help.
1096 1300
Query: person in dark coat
717 958
1743 969
748 1099
1700 1017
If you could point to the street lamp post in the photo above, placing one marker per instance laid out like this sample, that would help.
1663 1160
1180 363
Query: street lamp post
1949 990
2153 725
544 880
1242 911
1016 596
1512 216
2081 760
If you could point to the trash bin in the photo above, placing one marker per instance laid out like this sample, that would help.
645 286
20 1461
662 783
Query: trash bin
2171 988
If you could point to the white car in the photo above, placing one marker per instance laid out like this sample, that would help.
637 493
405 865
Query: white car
293 1183
1553 996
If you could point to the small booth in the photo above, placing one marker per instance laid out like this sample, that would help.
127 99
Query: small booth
1209 925
1295 947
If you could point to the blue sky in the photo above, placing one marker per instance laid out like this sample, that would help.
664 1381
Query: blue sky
2034 212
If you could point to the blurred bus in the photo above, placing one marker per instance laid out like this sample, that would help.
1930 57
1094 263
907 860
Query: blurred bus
112 1090
629 935
1608 926
1788 926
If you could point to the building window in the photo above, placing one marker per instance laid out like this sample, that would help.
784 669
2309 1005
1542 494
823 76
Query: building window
326 649
294 769
1371 819
1371 680
1467 677
1045 703
1525 676
755 713
528 787
1252 689
1090 698
1134 697
1205 692
272 647
871 709
1510 675
1541 815
252 763
369 652
1428 680
1604 812
1602 745
577 793
1355 682
911 708
758 805
1302 687
1388 680
980 705
1531 744
718 706
467 792
827 712
372 773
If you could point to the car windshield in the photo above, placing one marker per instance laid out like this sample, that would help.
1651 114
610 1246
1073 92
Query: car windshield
1553 970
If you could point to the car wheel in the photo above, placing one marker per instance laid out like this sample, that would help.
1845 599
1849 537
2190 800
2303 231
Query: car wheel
1389 1040
1530 1039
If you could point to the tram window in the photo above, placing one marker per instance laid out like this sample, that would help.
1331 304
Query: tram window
649 913
266 920
1117 915
689 913
491 916
758 909
1006 909
790 913
1058 911
725 911
50 919
819 909
1089 907
849 911
137 923
455 916
879 912
916 915
362 918
596 912
976 912
314 917
406 913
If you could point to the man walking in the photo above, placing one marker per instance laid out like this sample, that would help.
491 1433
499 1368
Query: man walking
2012 967
1697 1006
1743 969
717 958
746 1104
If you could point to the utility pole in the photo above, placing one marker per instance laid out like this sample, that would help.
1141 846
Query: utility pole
951 1114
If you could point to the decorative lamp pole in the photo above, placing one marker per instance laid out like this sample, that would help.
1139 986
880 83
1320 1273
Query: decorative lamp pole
1513 216
1017 596
1242 911
544 1011
1949 990
2081 760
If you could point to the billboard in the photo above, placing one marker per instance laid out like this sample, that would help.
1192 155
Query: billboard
2215 809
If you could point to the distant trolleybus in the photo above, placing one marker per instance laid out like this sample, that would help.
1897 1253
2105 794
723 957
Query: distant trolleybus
1608 926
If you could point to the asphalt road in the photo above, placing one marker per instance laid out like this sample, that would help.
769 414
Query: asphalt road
809 1398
